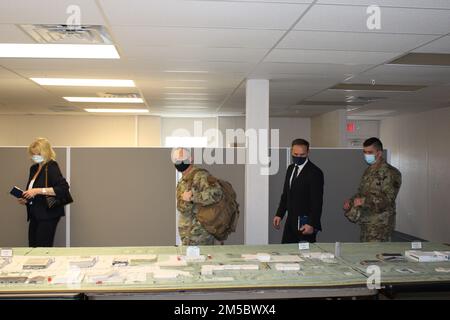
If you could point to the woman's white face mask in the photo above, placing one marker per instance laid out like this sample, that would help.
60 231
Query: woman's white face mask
37 158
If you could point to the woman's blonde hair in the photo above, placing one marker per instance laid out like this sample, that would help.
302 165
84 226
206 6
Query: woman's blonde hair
43 147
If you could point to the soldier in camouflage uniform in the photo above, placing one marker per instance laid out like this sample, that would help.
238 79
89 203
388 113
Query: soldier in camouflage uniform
373 207
196 188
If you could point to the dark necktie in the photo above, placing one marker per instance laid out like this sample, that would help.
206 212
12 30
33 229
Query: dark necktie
294 175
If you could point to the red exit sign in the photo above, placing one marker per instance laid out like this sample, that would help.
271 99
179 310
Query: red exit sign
351 127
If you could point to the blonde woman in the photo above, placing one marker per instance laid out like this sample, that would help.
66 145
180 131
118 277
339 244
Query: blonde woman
46 195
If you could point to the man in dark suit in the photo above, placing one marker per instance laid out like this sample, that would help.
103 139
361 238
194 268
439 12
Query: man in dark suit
302 197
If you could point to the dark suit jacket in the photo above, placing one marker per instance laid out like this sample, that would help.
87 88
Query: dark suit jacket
303 198
38 208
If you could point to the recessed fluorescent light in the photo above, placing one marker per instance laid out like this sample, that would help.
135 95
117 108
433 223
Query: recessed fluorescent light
83 82
116 110
44 50
194 88
104 99
186 71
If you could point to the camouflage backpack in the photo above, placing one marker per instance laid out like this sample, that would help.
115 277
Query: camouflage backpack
220 219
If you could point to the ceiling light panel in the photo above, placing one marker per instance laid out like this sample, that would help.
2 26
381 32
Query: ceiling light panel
69 51
104 100
84 82
94 110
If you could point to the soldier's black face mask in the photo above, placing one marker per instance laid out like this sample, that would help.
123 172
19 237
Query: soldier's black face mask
182 165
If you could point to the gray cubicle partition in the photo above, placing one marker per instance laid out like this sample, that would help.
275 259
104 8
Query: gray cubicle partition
342 170
14 171
123 197
276 183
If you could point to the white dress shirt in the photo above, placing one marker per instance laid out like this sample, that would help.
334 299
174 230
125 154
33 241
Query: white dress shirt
300 168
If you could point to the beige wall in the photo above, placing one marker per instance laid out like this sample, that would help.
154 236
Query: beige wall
186 126
364 129
126 131
328 129
92 130
149 131
290 128
419 148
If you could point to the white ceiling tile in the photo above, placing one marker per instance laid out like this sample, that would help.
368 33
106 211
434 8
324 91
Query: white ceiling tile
162 80
397 74
268 1
6 74
311 111
69 68
194 53
431 94
158 100
393 20
16 91
157 110
353 41
323 56
295 84
267 68
214 14
398 107
341 95
286 100
10 33
441 45
223 38
121 69
48 11
141 66
436 4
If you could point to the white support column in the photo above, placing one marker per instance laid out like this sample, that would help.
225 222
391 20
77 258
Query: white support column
68 170
256 184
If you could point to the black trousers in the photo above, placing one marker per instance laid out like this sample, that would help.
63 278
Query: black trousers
41 233
292 235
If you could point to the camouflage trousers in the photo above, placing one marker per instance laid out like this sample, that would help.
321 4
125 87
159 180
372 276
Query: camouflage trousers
192 233
197 240
376 232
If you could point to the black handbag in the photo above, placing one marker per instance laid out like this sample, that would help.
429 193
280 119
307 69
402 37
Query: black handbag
53 201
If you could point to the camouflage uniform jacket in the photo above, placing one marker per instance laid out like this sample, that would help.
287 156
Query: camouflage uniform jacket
379 188
205 191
